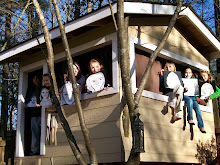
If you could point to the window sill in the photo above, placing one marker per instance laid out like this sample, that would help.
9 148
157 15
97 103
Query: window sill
111 90
160 97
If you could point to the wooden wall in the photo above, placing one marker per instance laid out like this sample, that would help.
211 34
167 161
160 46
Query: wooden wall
175 43
166 142
102 117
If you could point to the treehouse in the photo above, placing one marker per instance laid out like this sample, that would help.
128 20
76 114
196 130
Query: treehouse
190 44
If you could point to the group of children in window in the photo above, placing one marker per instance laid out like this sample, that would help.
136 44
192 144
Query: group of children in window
39 95
96 80
178 90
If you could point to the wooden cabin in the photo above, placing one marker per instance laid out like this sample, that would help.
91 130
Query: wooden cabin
190 44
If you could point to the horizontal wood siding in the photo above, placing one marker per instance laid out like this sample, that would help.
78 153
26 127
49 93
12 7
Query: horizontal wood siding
102 116
175 43
74 40
166 142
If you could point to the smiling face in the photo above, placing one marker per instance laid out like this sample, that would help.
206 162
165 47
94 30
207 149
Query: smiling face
46 81
169 67
188 73
75 70
205 76
95 67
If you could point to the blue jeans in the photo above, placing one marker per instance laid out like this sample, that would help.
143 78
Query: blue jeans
193 104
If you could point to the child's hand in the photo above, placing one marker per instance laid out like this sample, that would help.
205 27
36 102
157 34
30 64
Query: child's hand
207 98
106 88
185 89
161 72
60 91
37 105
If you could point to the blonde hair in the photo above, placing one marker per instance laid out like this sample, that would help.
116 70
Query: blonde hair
210 79
171 63
94 61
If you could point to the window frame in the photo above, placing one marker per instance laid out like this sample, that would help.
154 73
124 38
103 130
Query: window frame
166 54
23 82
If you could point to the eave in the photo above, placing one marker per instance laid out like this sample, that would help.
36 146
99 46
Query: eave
188 24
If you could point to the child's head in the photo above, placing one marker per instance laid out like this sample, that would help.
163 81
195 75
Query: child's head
95 66
188 73
46 80
206 76
170 66
76 70
36 80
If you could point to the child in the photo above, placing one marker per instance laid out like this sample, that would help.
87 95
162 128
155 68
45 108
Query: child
207 78
175 95
66 91
98 81
80 79
31 103
36 122
207 88
191 103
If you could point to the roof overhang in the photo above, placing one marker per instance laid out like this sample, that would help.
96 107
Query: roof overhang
188 24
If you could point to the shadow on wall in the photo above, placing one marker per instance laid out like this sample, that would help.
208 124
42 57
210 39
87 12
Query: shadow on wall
207 152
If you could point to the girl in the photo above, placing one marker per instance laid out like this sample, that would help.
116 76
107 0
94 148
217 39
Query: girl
191 103
95 67
175 95
207 87
31 104
79 77
36 122
66 91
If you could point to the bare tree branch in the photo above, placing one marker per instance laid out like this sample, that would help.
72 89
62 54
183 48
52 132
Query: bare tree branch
90 149
28 3
153 56
55 95
113 16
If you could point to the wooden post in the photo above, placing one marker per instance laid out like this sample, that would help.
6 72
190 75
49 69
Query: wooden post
2 151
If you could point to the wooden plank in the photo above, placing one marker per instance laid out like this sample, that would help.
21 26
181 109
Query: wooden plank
102 146
74 41
32 160
155 116
151 157
102 158
176 43
95 116
155 131
97 131
157 105
176 148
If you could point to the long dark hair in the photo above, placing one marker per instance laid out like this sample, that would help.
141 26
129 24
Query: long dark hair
79 72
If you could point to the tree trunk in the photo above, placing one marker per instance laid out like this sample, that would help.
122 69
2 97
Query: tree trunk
89 6
90 149
77 9
4 106
133 103
217 18
55 94
134 158
217 29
